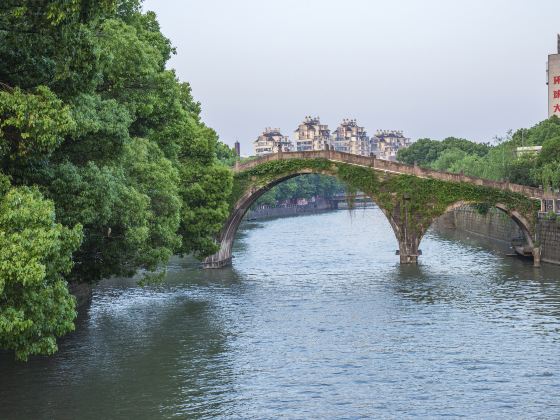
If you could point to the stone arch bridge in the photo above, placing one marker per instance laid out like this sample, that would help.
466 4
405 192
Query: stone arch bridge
410 197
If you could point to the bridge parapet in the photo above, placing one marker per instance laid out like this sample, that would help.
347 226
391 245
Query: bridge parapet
411 197
400 168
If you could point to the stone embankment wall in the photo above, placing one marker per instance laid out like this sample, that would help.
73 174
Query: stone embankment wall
496 225
548 235
267 212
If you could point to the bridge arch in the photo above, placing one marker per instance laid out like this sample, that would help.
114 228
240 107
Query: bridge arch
514 215
521 221
248 198
410 197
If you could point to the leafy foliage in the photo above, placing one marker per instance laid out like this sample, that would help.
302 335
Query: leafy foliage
498 162
225 154
426 151
32 126
35 253
421 199
91 117
305 186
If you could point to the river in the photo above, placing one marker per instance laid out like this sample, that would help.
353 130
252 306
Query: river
316 319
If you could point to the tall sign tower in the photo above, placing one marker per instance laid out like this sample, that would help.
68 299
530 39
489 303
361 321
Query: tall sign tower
553 82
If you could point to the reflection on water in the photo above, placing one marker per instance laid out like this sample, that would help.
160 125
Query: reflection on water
315 319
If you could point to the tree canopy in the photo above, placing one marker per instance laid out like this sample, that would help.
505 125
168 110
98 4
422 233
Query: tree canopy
304 186
426 151
104 159
499 161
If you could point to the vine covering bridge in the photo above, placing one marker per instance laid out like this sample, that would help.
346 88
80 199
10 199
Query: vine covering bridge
411 197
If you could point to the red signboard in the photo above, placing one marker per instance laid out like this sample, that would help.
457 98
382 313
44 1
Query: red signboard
555 94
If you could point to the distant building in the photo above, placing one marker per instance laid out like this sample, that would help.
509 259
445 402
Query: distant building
272 141
527 150
386 143
553 82
312 135
237 148
351 138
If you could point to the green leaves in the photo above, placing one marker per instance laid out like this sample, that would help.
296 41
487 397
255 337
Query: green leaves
305 186
500 162
151 174
426 152
204 191
31 124
115 216
35 253
90 115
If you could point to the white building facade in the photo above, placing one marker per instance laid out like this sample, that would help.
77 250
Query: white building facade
272 141
349 137
553 82
386 143
312 135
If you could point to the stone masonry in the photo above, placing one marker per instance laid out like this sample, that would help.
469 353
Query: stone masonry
498 226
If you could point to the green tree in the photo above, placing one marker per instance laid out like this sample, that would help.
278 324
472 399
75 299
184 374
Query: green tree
91 117
546 171
304 186
521 171
225 154
550 151
32 126
538 134
426 151
35 254
126 128
422 152
467 146
447 158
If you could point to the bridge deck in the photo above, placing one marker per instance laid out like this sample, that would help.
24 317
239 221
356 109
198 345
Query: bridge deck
399 168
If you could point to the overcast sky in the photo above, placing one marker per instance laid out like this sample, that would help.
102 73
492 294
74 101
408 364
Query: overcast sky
433 68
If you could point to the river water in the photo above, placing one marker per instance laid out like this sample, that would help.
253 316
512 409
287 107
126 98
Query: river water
316 319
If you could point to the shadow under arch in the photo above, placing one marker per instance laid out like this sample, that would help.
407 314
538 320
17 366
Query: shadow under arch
227 234
518 219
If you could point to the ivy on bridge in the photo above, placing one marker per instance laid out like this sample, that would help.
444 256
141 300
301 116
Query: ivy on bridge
410 197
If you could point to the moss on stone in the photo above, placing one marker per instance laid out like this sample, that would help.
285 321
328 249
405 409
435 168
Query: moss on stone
417 200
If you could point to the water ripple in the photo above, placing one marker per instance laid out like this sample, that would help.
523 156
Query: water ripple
316 319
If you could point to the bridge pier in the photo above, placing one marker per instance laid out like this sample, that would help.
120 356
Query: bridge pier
213 262
408 252
409 259
537 256
222 258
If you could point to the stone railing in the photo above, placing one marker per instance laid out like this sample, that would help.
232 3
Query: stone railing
398 168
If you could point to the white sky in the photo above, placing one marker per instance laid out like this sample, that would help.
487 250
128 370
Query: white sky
433 68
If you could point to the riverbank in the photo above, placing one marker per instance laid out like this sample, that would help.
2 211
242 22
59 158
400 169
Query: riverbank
497 226
319 206
287 210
